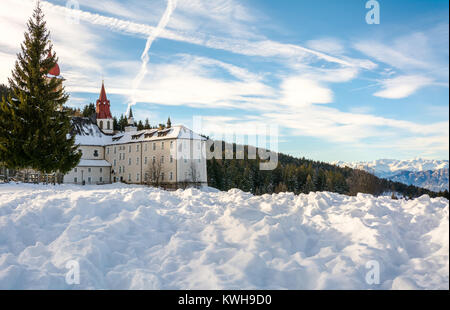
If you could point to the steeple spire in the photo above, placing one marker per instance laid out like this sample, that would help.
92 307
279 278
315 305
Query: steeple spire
103 106
130 118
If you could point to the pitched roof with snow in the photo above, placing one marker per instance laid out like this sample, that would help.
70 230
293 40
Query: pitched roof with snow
93 163
87 133
175 132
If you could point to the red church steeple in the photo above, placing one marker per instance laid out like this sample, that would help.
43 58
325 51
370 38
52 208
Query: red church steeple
102 107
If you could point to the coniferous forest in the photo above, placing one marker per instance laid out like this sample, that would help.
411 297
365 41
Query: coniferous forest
300 175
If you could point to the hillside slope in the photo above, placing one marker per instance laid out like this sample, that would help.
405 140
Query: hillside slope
300 175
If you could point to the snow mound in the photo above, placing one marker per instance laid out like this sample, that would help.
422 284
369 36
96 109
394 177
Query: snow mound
134 237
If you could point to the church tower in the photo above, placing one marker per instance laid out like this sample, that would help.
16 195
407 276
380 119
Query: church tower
104 119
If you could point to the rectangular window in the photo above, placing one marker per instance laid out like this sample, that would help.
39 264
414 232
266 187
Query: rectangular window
145 160
146 176
129 161
171 175
101 169
162 176
154 146
89 169
75 180
114 162
137 147
129 177
171 158
120 169
101 179
89 179
76 170
137 160
129 149
145 147
115 150
107 150
137 177
162 145
153 159
162 159
171 144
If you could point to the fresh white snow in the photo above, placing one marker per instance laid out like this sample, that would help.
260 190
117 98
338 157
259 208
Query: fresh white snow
135 237
93 163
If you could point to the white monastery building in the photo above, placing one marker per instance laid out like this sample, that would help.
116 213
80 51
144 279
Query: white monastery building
172 157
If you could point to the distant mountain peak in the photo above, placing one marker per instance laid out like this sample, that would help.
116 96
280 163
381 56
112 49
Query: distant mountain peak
427 173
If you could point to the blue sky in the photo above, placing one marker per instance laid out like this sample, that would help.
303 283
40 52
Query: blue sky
338 88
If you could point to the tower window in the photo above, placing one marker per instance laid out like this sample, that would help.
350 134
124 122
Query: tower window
101 124
108 126
95 153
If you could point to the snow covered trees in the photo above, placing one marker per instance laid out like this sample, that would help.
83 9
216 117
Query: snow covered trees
34 127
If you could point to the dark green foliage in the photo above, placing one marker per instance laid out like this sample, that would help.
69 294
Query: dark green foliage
89 110
140 126
147 124
33 123
5 91
115 124
300 175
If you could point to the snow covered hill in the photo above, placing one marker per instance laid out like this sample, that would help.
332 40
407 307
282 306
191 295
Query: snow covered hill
133 237
426 173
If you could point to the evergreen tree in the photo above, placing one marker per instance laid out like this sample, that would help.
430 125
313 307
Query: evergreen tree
33 124
140 126
147 124
89 110
115 124
4 92
309 185
169 123
123 122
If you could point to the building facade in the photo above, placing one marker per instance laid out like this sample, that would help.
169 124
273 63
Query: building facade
171 157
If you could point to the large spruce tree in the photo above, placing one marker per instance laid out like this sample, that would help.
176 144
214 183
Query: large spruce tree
34 127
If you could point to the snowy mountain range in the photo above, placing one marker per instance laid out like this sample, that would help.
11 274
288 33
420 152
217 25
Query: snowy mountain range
426 173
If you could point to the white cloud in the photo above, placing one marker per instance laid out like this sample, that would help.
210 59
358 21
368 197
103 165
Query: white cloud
327 45
261 47
402 86
298 92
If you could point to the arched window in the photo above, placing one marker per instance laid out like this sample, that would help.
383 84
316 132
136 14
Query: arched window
108 125
101 124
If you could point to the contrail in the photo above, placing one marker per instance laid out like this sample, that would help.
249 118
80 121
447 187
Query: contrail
171 5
